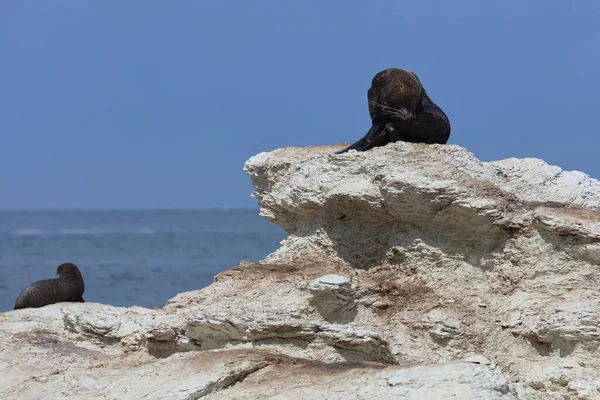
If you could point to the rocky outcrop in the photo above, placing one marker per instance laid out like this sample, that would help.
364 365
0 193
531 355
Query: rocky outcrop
409 271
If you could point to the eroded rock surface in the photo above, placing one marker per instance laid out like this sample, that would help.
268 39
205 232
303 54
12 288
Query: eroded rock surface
410 271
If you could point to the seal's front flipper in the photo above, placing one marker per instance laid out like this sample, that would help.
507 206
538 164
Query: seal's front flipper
365 143
78 299
360 143
427 128
381 138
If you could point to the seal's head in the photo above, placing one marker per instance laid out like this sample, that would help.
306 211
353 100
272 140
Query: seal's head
69 270
395 94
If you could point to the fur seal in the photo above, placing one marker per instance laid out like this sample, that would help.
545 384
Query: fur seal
67 287
400 109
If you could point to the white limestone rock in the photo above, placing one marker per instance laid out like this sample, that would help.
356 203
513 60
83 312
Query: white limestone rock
400 263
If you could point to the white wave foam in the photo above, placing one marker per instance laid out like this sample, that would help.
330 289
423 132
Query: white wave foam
81 232
27 232
77 231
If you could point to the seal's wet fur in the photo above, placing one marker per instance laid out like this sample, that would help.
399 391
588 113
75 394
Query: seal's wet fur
400 109
68 286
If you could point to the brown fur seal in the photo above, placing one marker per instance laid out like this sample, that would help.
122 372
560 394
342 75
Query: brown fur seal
67 287
400 109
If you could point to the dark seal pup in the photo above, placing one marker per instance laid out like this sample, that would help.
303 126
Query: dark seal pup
67 287
400 109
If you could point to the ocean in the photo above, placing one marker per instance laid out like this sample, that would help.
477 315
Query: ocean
129 258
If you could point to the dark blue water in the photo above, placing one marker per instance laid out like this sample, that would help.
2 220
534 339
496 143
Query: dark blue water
129 257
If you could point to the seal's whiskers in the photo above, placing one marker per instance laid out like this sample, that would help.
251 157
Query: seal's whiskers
387 109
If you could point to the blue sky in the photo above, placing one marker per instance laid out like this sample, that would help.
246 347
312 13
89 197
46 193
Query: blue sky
158 104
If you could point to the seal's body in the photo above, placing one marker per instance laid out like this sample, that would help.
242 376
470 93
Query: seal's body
400 109
68 286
